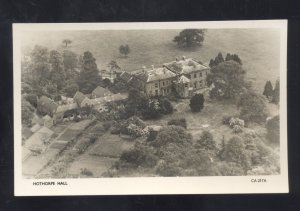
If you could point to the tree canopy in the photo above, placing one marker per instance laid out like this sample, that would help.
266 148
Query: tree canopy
197 102
228 80
252 107
276 93
268 90
190 38
89 77
57 74
235 152
67 42
124 50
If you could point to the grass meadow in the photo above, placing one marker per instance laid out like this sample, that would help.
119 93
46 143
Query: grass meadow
258 48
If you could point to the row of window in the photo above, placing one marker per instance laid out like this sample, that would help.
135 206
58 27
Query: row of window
163 91
195 75
164 83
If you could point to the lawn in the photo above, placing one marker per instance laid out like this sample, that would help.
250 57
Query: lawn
210 118
258 48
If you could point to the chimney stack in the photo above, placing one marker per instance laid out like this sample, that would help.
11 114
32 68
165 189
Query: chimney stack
144 68
176 59
183 58
152 67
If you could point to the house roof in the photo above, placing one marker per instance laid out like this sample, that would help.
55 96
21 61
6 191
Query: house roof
114 97
101 92
48 104
185 66
37 120
64 108
26 132
47 117
125 76
79 97
154 74
183 79
35 128
118 96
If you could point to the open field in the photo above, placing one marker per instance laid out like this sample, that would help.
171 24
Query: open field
258 48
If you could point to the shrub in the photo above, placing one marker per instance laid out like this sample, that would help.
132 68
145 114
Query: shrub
178 122
206 141
273 130
236 124
86 172
166 169
32 99
135 131
172 134
106 126
140 155
237 129
166 106
226 119
197 102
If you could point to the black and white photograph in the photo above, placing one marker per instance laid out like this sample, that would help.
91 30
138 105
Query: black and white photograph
169 103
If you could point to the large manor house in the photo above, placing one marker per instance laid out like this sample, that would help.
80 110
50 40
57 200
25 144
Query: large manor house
186 75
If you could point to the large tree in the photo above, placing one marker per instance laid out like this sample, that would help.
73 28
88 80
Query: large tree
124 50
227 80
190 38
268 90
233 57
67 42
57 74
39 66
235 152
136 103
70 60
276 93
27 112
252 107
89 77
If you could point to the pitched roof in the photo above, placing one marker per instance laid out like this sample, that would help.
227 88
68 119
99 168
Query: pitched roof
185 66
125 76
79 97
63 108
114 97
35 128
183 80
48 104
101 92
47 117
154 74
26 132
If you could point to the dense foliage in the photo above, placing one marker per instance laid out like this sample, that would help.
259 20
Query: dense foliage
89 77
252 107
124 50
190 38
273 129
227 80
268 90
276 93
197 102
